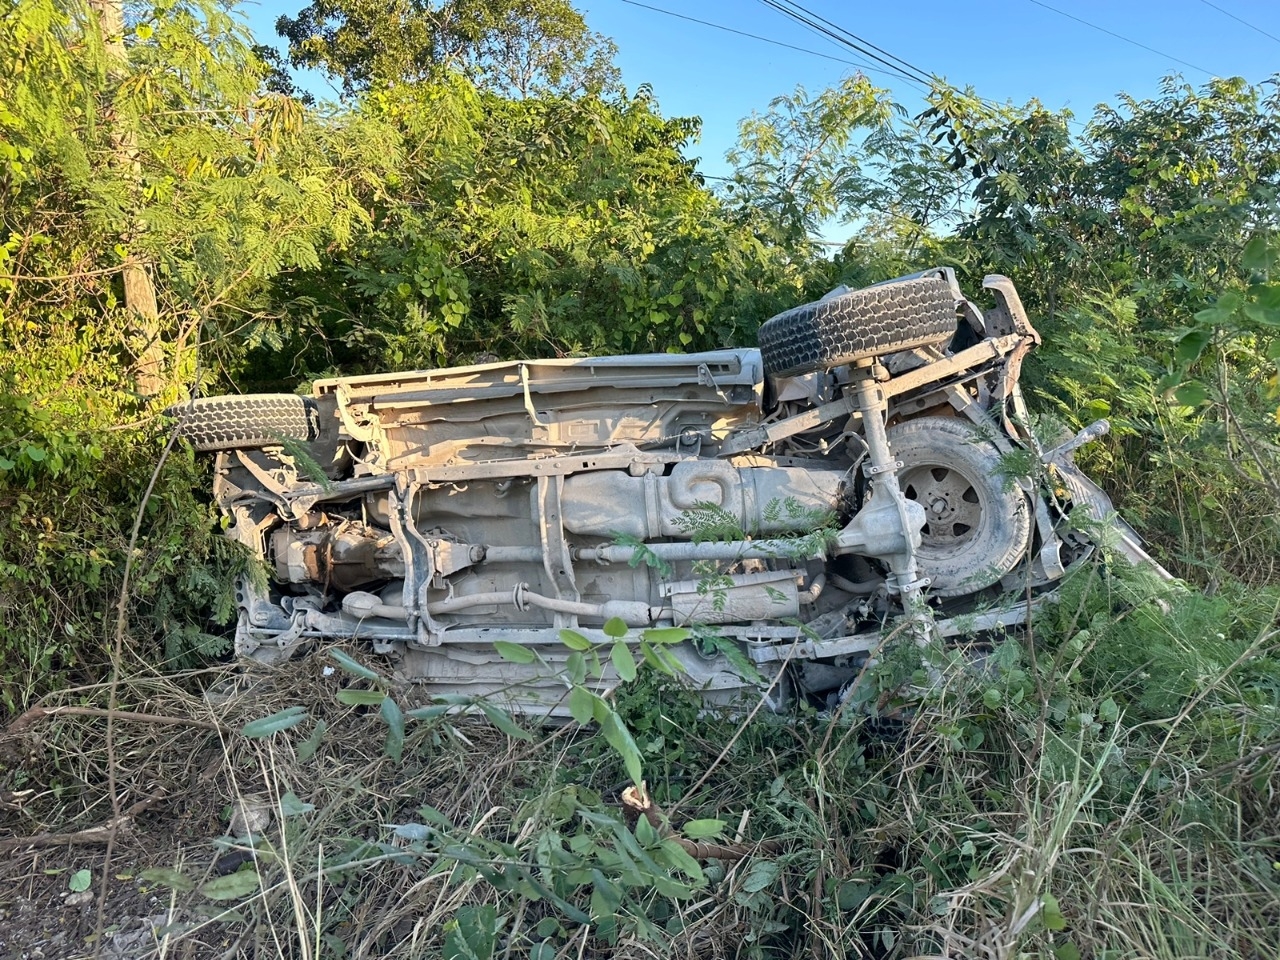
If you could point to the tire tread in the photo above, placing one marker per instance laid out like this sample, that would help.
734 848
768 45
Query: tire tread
861 323
246 422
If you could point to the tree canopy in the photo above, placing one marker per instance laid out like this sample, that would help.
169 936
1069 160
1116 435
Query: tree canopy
512 47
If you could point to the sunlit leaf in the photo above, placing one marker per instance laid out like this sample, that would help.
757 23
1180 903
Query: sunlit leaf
361 698
513 652
352 666
623 661
502 720
274 723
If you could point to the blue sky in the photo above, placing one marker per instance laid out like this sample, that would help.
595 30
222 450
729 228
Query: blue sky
1007 49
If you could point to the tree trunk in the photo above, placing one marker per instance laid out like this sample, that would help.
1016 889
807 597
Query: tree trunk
139 290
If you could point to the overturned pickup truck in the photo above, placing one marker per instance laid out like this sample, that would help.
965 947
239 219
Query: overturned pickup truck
788 501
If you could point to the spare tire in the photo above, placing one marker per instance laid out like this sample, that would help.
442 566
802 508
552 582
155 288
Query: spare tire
858 324
977 522
246 422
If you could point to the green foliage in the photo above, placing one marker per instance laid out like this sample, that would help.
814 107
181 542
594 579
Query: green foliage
545 226
799 164
222 189
513 47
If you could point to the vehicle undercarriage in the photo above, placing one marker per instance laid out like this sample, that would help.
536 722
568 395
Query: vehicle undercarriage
870 461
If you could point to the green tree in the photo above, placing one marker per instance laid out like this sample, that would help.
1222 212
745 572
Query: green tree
546 226
514 47
801 163
166 163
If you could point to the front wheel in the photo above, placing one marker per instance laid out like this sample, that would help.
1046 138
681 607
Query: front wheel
978 522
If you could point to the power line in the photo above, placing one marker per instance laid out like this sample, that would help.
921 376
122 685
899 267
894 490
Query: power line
794 11
846 39
777 43
1251 26
832 32
743 33
843 36
1110 33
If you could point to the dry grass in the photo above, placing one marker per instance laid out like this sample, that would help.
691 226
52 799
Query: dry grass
1044 836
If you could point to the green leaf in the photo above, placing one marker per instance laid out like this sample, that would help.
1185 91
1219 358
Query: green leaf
574 640
679 858
1258 255
168 877
429 713
701 829
619 737
502 720
513 652
292 806
761 874
575 667
1066 951
1191 394
582 704
645 832
307 749
1229 301
472 934
1260 313
1191 346
361 698
615 627
233 886
666 635
280 720
623 661
1051 914
353 667
394 717
80 881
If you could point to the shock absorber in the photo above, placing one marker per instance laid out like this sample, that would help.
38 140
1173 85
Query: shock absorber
888 525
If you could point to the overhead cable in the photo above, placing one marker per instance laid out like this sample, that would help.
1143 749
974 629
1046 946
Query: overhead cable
1118 36
1251 26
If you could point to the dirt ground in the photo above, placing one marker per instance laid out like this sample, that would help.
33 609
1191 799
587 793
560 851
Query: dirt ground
41 916
173 803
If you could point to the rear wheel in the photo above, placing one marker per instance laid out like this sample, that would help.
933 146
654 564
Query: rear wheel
246 422
978 524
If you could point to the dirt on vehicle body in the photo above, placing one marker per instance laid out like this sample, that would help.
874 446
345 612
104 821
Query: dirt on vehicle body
788 500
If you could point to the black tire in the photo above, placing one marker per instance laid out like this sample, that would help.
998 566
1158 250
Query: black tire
978 524
858 324
246 422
